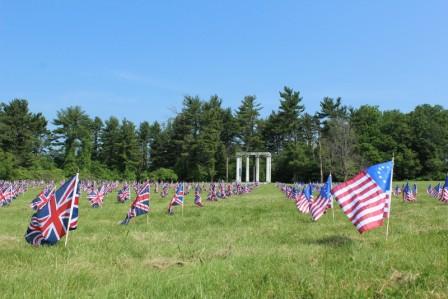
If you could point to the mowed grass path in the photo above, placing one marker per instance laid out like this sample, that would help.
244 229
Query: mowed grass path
251 246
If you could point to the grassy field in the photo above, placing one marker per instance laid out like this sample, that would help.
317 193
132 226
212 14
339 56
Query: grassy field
252 246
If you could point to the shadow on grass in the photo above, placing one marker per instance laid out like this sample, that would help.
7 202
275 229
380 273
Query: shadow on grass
332 241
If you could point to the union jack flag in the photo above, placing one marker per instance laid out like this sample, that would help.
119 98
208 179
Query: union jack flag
60 214
322 202
6 196
140 205
96 198
178 198
197 196
124 194
365 199
41 199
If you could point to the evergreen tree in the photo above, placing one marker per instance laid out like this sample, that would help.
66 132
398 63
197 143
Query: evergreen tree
73 136
110 140
247 117
21 132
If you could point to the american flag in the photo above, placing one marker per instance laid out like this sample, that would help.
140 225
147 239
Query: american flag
322 202
444 195
429 190
140 205
408 194
365 199
305 199
436 190
52 221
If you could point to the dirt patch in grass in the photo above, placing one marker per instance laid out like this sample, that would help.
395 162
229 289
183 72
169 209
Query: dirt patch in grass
163 263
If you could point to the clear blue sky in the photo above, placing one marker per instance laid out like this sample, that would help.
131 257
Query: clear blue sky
137 59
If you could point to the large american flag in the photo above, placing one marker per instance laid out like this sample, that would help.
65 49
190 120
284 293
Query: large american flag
322 202
140 205
52 221
365 199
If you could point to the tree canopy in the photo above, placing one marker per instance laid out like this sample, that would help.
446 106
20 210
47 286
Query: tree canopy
199 142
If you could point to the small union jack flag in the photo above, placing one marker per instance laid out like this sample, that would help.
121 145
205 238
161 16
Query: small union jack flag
197 196
178 198
41 199
124 194
140 205
60 214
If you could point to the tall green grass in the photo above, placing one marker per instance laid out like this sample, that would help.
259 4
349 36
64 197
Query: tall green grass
251 246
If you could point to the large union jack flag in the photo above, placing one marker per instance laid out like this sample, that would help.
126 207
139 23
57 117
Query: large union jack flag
60 214
365 199
140 205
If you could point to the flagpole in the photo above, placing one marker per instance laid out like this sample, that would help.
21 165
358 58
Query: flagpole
71 208
183 200
331 197
390 195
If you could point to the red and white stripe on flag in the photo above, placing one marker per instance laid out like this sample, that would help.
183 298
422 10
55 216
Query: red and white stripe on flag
363 201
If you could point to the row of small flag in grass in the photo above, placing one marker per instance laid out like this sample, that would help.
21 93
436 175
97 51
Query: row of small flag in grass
364 199
57 210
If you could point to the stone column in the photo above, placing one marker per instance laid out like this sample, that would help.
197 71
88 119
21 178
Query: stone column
247 168
268 169
257 169
238 169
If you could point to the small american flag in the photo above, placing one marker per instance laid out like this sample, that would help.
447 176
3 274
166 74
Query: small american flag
322 202
444 195
408 194
365 199
305 199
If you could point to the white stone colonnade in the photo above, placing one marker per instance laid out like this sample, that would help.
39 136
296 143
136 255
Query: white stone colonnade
239 165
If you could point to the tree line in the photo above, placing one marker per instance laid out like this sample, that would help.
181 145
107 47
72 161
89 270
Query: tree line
199 142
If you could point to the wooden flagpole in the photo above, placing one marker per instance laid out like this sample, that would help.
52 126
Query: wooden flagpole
331 196
71 207
390 195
